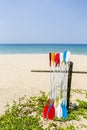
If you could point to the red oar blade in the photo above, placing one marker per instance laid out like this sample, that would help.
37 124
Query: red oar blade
51 113
45 111
57 59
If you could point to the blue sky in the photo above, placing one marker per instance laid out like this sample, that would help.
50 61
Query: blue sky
43 21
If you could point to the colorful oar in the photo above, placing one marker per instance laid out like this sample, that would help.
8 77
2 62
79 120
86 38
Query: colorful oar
45 110
57 63
59 108
52 74
64 104
49 109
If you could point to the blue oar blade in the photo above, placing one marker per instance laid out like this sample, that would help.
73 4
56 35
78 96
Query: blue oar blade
64 110
64 56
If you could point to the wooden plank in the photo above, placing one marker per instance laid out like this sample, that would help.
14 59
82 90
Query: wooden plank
47 71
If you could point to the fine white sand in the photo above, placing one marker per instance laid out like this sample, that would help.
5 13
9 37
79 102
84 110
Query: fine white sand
17 80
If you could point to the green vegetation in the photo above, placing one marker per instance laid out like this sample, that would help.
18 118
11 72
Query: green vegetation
81 91
26 115
86 95
56 127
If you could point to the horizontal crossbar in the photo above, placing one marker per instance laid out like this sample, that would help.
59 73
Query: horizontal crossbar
47 71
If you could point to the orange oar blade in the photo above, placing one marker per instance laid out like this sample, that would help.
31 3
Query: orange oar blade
52 57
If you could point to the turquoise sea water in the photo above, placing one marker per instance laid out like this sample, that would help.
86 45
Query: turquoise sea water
42 48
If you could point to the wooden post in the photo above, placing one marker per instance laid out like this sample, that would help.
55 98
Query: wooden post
69 83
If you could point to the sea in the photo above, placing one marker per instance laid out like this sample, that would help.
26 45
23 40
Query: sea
42 48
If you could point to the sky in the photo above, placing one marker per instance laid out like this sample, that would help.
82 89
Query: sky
43 21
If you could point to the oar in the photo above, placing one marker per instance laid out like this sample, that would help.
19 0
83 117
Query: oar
53 72
66 58
59 108
49 110
57 63
45 110
64 102
50 63
64 107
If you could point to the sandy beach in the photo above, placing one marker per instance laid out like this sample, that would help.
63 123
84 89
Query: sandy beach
17 80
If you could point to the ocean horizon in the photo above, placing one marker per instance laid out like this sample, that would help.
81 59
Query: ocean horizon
42 48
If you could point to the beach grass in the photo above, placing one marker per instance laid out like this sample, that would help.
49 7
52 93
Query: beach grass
26 114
